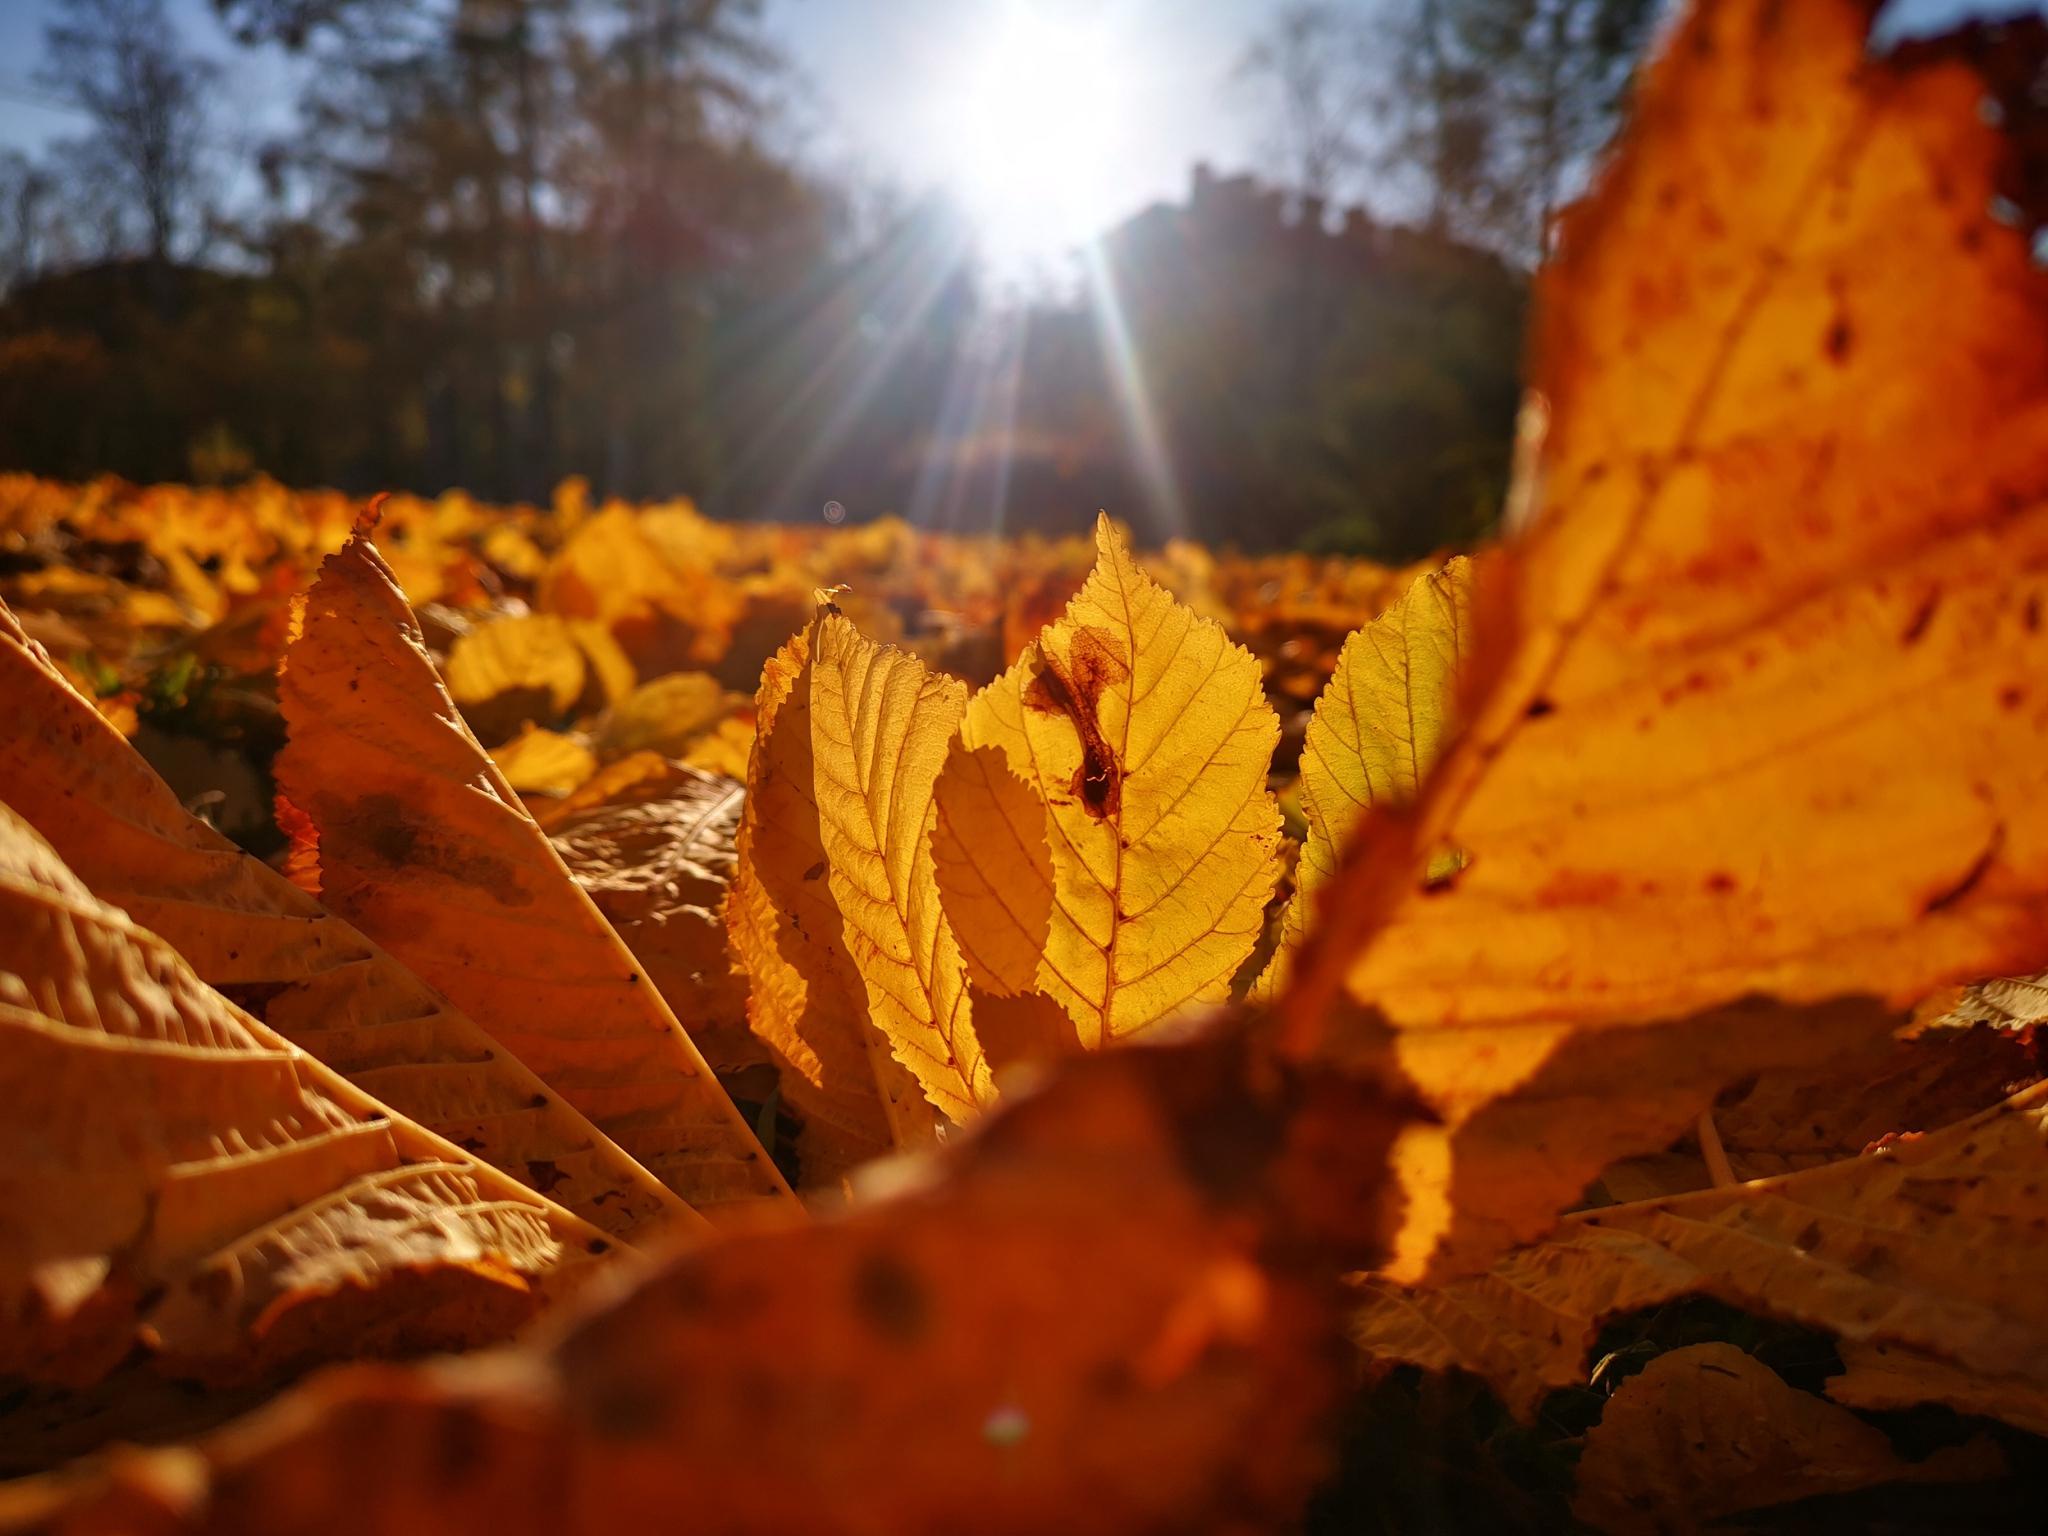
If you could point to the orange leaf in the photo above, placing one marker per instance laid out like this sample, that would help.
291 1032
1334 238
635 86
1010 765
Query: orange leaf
1775 702
426 848
300 970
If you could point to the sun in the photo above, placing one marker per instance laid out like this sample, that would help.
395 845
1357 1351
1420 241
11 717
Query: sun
1034 123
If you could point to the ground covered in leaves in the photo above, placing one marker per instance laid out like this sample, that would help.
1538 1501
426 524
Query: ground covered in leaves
588 1018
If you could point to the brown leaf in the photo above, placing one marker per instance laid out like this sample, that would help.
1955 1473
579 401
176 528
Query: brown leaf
424 846
177 1179
1785 1121
300 970
1103 1313
1707 1431
651 841
1923 1259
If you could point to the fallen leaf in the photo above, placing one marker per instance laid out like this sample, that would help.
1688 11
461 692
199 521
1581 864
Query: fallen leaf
1144 735
1772 722
301 971
880 725
1783 1123
652 842
611 675
921 1365
515 671
177 1179
994 869
619 569
423 845
1923 1259
807 998
1377 729
2010 1002
540 762
725 749
1707 1431
667 715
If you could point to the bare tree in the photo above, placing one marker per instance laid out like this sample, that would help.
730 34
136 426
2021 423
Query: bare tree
1501 106
122 63
1312 63
24 198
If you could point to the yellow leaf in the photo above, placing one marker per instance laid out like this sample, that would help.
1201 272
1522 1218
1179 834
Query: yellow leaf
515 670
725 749
1382 719
994 868
424 846
511 551
666 715
296 968
880 728
538 762
177 1179
806 997
838 836
622 569
1145 737
1773 718
611 671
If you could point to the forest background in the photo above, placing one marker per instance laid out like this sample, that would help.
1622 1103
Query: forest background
503 242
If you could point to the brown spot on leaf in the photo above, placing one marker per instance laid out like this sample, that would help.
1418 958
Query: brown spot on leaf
392 835
1074 688
1922 617
543 1175
1978 869
892 1299
1840 340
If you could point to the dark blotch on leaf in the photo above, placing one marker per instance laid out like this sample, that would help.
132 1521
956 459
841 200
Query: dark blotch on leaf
891 1298
1074 688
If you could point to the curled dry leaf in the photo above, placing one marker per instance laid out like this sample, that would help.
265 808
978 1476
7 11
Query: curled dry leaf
423 845
176 1178
300 970
809 997
1923 1259
1707 1431
1776 697
922 1365
1377 729
1144 737
652 842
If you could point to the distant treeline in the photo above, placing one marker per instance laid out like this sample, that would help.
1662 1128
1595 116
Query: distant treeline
522 239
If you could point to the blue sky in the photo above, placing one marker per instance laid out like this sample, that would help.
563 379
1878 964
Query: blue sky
874 77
